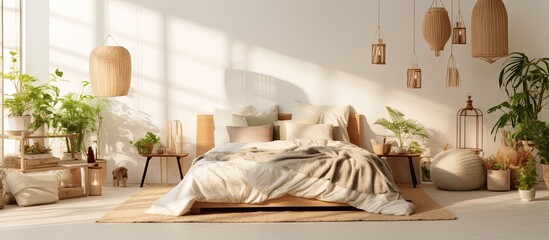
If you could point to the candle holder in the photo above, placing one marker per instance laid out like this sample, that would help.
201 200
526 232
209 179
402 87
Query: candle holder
96 187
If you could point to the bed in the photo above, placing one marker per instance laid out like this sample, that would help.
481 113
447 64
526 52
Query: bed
179 202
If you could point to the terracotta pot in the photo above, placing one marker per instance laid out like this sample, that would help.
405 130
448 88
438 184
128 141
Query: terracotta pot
546 174
498 180
527 195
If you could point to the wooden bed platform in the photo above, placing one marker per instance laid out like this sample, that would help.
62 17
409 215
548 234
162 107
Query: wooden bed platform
205 142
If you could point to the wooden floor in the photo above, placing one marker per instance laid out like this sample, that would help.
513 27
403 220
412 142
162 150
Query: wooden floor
481 215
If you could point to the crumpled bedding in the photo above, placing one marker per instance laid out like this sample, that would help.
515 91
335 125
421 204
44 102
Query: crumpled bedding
254 172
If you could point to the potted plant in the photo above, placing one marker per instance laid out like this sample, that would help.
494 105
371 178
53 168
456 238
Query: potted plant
29 99
145 145
498 177
527 180
538 132
402 128
77 114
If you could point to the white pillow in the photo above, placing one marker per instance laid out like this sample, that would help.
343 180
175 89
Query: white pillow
224 118
308 131
33 189
280 127
337 116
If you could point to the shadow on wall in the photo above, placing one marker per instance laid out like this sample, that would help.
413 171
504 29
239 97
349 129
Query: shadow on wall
435 143
249 88
118 119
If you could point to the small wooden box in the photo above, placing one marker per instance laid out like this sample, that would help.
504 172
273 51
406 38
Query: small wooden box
73 192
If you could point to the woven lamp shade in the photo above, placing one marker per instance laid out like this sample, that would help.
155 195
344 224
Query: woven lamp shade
489 30
110 71
436 28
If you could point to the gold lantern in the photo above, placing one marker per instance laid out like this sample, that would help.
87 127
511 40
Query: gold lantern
436 27
489 30
460 32
378 45
469 133
110 71
96 187
413 74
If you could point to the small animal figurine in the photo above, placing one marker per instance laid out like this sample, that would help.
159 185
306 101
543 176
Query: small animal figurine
119 174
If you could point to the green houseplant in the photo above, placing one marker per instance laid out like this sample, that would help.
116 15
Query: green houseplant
527 180
29 98
145 145
538 132
498 174
402 128
77 113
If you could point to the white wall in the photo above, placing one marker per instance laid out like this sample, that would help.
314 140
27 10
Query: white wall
317 51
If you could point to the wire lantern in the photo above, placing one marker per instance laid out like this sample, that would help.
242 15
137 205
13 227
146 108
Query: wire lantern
469 130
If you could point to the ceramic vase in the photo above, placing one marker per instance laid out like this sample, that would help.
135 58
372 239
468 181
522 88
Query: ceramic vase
527 195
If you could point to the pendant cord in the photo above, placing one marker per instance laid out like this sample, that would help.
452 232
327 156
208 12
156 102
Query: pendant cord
108 18
414 28
452 24
378 11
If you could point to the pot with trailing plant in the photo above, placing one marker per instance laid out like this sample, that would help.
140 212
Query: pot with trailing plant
77 114
498 175
146 144
527 180
538 131
30 106
402 128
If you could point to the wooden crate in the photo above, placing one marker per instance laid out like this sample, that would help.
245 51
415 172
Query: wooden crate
15 162
73 192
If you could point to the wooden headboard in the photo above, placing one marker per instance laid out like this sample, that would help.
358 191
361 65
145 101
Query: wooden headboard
205 130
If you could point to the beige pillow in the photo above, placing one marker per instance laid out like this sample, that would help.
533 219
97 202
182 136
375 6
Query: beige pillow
337 116
251 134
253 120
224 117
308 131
280 127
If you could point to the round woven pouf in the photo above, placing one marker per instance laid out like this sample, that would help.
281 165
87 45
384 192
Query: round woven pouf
458 170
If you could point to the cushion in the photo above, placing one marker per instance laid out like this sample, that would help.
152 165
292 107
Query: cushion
308 131
253 120
458 170
251 134
337 116
280 127
33 189
224 118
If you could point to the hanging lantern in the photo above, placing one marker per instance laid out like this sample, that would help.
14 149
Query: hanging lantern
436 28
460 32
110 71
413 74
378 49
452 73
96 187
469 128
489 30
378 45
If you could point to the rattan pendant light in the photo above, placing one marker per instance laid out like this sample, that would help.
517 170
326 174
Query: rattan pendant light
110 68
452 72
413 73
378 45
436 27
489 30
459 34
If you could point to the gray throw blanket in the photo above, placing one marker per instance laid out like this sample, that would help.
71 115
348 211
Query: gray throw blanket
348 167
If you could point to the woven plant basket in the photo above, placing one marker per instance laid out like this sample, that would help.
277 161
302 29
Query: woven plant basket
436 28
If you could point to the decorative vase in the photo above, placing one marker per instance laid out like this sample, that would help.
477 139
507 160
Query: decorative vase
159 149
527 195
498 180
546 174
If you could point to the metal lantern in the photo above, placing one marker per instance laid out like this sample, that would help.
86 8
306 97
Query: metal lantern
96 187
489 30
110 71
460 32
378 45
413 74
436 28
469 134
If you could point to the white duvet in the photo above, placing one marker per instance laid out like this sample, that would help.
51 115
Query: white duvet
243 181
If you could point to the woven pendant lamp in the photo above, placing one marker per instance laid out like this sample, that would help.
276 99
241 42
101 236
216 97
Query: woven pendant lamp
436 27
413 74
110 71
489 30
378 45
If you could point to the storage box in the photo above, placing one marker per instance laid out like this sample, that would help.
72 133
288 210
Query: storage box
15 162
70 192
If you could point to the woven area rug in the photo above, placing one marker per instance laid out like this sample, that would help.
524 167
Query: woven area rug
133 211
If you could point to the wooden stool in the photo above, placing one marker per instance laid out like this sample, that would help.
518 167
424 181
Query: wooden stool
150 156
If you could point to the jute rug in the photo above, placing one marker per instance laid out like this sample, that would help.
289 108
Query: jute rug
133 211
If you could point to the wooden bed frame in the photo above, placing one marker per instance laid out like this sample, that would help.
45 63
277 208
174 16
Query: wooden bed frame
205 142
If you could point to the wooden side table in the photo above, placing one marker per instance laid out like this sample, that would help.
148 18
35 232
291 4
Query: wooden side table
150 156
410 162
